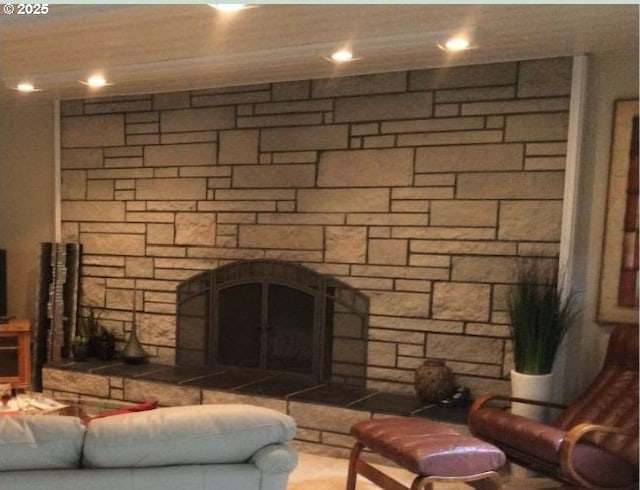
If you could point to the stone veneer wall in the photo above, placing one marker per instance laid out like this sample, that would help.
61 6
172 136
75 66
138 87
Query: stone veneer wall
421 188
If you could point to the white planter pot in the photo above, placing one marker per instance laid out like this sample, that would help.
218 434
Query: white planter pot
534 387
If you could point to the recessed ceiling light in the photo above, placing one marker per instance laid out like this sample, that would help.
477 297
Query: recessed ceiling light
342 56
26 87
458 43
228 7
96 81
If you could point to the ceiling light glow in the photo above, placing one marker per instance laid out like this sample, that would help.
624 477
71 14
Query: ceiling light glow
96 81
227 7
342 56
25 87
458 43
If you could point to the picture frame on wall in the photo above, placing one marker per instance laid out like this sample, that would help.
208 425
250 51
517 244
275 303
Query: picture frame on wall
618 298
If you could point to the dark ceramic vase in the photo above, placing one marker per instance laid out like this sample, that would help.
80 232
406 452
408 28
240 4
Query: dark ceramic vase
80 352
105 349
433 381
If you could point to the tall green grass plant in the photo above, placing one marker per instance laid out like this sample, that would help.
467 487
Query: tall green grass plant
540 316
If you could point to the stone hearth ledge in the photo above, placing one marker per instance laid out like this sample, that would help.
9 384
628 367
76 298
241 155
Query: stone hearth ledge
324 412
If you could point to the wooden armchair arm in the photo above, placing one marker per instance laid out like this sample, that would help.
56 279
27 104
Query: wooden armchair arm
485 399
573 437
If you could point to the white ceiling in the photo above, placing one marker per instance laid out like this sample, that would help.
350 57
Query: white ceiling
155 48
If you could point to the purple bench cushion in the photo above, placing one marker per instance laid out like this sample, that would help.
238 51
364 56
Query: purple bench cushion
428 448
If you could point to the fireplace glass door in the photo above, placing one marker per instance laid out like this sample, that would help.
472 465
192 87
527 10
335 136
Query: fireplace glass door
267 326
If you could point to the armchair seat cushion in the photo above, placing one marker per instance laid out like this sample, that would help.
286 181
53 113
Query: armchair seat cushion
516 434
201 434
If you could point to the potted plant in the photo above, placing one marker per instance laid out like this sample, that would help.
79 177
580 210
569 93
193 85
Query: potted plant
540 313
105 344
91 326
81 344
80 348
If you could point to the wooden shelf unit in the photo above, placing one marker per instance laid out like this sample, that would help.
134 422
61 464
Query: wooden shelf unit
15 352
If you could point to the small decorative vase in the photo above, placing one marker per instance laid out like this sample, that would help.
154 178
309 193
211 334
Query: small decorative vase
133 353
433 381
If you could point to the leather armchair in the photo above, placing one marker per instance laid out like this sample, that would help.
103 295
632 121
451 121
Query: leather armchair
594 441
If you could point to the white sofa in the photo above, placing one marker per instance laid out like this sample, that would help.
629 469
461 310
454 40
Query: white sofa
203 447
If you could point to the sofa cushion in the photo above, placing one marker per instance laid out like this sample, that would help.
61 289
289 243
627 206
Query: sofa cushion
37 442
199 434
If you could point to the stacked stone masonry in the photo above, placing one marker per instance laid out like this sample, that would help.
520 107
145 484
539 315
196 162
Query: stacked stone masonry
322 428
423 188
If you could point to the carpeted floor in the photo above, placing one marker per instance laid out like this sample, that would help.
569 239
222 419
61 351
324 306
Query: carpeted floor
325 473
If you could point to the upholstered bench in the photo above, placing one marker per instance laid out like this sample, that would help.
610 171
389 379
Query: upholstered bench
431 450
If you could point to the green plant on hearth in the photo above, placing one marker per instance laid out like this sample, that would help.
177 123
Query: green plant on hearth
91 325
105 344
80 340
106 335
541 313
87 329
80 347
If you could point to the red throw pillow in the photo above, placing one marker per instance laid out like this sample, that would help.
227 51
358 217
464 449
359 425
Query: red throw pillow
140 407
10 413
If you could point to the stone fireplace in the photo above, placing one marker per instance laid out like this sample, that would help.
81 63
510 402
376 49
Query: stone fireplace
274 316
422 189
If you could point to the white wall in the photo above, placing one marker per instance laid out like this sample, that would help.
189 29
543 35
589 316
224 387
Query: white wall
26 198
609 78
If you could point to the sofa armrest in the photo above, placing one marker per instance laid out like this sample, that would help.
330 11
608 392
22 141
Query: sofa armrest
276 458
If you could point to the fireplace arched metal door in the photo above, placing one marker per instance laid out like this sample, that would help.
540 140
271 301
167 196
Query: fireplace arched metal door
274 316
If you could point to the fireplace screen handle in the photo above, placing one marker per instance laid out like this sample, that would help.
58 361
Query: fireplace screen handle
258 327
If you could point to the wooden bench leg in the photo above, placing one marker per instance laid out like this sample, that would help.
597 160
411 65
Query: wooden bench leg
353 459
490 480
422 483
493 481
359 467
